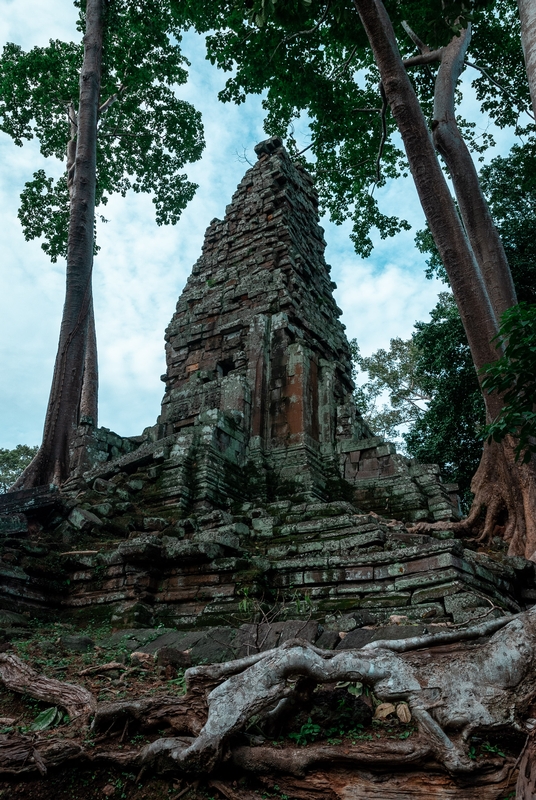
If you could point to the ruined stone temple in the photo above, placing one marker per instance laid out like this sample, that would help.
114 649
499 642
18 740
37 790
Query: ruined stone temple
259 391
260 483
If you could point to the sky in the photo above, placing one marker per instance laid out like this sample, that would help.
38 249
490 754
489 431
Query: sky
142 268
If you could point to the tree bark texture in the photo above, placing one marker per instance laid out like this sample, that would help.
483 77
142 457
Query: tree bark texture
481 231
20 677
478 681
527 15
90 386
89 406
51 464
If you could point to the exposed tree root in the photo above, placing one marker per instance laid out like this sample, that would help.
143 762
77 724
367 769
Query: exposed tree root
299 760
504 502
184 716
21 754
453 691
16 675
526 781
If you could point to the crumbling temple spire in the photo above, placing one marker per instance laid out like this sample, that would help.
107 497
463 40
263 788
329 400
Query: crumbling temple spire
256 348
259 399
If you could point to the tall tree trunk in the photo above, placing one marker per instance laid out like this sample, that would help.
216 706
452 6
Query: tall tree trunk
501 485
90 385
503 488
51 464
527 15
464 274
89 407
483 236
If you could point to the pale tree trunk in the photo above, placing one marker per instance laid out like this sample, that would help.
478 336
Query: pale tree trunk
90 385
89 407
51 464
481 231
464 274
479 276
503 487
527 15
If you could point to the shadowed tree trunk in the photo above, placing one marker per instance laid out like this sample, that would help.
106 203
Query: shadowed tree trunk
89 406
473 258
74 358
527 15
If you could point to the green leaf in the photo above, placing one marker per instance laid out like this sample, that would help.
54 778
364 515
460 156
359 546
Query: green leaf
47 719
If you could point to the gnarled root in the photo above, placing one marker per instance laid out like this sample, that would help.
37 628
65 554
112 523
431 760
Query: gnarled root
184 716
526 781
19 677
504 504
299 760
481 688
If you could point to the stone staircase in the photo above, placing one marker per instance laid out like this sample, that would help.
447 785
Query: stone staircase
324 561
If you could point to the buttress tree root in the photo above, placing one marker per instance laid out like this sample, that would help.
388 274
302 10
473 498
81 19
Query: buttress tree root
505 496
456 684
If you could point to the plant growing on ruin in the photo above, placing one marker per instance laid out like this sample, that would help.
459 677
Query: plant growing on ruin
108 109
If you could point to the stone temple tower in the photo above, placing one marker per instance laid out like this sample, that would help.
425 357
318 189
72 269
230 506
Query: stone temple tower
258 365
259 399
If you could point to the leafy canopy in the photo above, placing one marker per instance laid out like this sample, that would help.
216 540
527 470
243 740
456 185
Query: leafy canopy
146 133
394 372
13 462
432 388
514 375
314 64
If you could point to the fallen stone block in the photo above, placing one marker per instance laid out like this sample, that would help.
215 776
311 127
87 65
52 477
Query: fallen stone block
299 629
174 657
83 520
354 639
76 643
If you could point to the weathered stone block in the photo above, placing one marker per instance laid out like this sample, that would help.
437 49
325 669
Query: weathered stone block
466 606
436 592
354 639
391 600
263 527
219 536
13 524
425 579
82 520
419 565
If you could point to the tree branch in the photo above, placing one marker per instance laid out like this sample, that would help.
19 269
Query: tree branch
496 83
305 32
111 100
383 139
414 38
483 237
425 58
